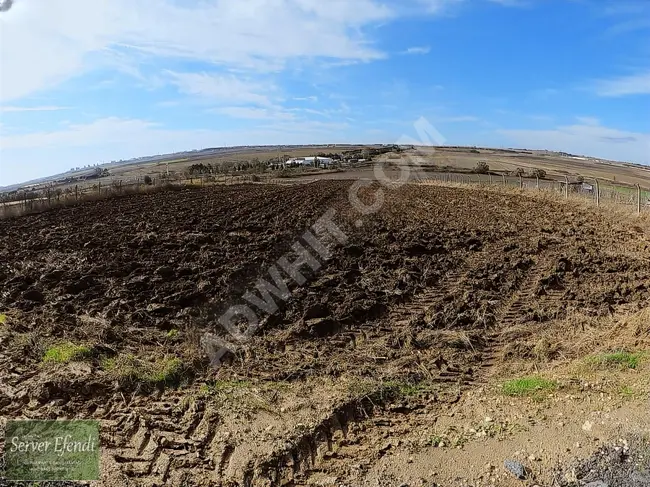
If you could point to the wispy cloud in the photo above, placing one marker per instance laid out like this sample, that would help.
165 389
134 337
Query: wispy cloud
417 50
45 108
512 3
588 120
590 139
636 84
251 113
218 88
458 119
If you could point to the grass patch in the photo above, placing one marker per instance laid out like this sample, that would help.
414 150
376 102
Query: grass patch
628 392
129 368
171 334
225 386
527 386
66 352
623 360
3 319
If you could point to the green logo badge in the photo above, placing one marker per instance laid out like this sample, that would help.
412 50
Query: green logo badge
52 450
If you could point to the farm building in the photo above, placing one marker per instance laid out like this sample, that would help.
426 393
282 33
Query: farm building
309 161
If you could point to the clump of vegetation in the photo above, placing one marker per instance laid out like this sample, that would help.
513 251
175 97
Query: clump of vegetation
172 334
482 167
130 369
624 360
539 173
148 181
519 172
527 386
66 352
3 319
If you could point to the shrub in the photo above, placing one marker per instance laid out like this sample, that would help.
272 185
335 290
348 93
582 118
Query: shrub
148 181
539 173
519 172
482 167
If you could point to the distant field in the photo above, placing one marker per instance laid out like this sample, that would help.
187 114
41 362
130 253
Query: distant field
556 166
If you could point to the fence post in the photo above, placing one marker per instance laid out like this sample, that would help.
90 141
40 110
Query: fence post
521 182
76 192
490 178
597 192
504 179
566 187
638 198
537 182
99 187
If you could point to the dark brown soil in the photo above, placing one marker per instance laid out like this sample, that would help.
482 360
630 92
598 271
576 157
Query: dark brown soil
419 293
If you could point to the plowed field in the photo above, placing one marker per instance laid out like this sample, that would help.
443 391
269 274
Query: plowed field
407 315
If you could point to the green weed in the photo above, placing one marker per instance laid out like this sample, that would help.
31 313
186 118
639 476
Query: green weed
527 386
624 360
66 352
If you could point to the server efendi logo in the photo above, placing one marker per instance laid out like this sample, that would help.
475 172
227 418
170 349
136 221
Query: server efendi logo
52 450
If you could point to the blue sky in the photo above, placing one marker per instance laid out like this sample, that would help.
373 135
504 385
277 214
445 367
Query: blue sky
87 81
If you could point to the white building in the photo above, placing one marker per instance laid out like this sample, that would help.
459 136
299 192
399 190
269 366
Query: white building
309 161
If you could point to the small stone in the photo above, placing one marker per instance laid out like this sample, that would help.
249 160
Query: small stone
587 426
515 468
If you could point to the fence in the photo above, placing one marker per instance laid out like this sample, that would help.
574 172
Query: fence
634 197
35 200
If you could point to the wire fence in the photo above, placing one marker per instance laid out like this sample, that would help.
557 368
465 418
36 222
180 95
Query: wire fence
38 199
634 197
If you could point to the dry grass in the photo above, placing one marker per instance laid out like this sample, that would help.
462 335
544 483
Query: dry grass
128 369
584 344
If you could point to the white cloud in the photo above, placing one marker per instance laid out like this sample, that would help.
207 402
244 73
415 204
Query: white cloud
458 119
636 84
37 154
102 131
219 88
250 113
439 6
588 120
46 108
417 50
46 42
589 139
